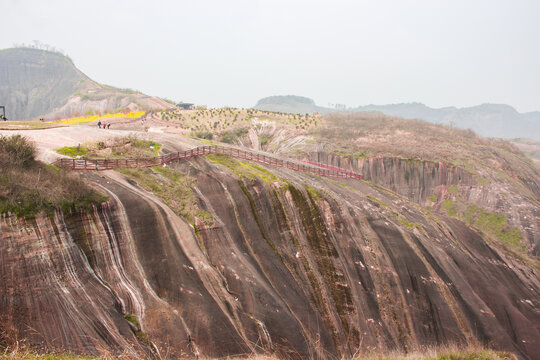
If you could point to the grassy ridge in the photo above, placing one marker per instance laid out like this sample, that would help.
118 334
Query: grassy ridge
173 187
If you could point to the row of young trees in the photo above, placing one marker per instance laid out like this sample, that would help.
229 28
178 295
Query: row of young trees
36 44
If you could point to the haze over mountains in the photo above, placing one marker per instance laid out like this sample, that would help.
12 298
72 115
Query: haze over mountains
40 83
35 83
492 120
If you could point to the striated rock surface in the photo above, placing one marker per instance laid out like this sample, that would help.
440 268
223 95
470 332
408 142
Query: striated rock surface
497 188
292 264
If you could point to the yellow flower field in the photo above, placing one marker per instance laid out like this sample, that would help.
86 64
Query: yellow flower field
90 118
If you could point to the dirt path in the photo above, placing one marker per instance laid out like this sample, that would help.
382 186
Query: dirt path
47 140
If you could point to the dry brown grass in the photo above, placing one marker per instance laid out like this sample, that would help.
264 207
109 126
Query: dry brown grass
448 352
380 135
28 187
26 125
13 348
366 134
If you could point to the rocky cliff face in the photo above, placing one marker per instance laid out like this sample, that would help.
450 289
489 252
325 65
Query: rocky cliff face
293 264
516 197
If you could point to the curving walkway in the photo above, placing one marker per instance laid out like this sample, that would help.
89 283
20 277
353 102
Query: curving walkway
108 164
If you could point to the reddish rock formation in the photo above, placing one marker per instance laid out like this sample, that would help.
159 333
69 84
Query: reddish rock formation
517 197
301 267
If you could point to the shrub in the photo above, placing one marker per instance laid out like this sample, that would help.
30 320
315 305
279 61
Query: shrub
263 140
204 135
16 150
228 137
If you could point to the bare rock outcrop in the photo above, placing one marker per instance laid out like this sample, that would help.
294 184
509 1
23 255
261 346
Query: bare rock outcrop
294 265
501 190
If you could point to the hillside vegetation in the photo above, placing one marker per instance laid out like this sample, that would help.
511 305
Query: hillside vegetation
432 354
238 126
372 134
28 187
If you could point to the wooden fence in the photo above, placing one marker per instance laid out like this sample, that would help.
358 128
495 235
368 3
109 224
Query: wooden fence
108 164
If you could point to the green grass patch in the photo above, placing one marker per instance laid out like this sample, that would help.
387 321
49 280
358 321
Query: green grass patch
132 319
173 187
377 201
483 181
314 193
141 336
432 198
450 207
73 151
244 169
361 155
406 223
493 225
263 140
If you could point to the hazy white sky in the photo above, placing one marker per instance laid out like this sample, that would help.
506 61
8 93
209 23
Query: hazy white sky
235 52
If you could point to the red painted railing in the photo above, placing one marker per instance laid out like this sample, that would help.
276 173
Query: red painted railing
108 164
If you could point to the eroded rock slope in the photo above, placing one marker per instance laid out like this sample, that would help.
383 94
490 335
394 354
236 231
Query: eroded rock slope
292 264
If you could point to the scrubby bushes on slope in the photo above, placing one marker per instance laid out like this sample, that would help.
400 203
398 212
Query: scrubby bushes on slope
28 186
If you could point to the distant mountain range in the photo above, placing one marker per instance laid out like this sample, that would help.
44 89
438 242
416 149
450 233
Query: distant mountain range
40 83
492 120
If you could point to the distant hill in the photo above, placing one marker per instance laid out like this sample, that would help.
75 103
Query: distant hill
36 83
492 120
290 104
